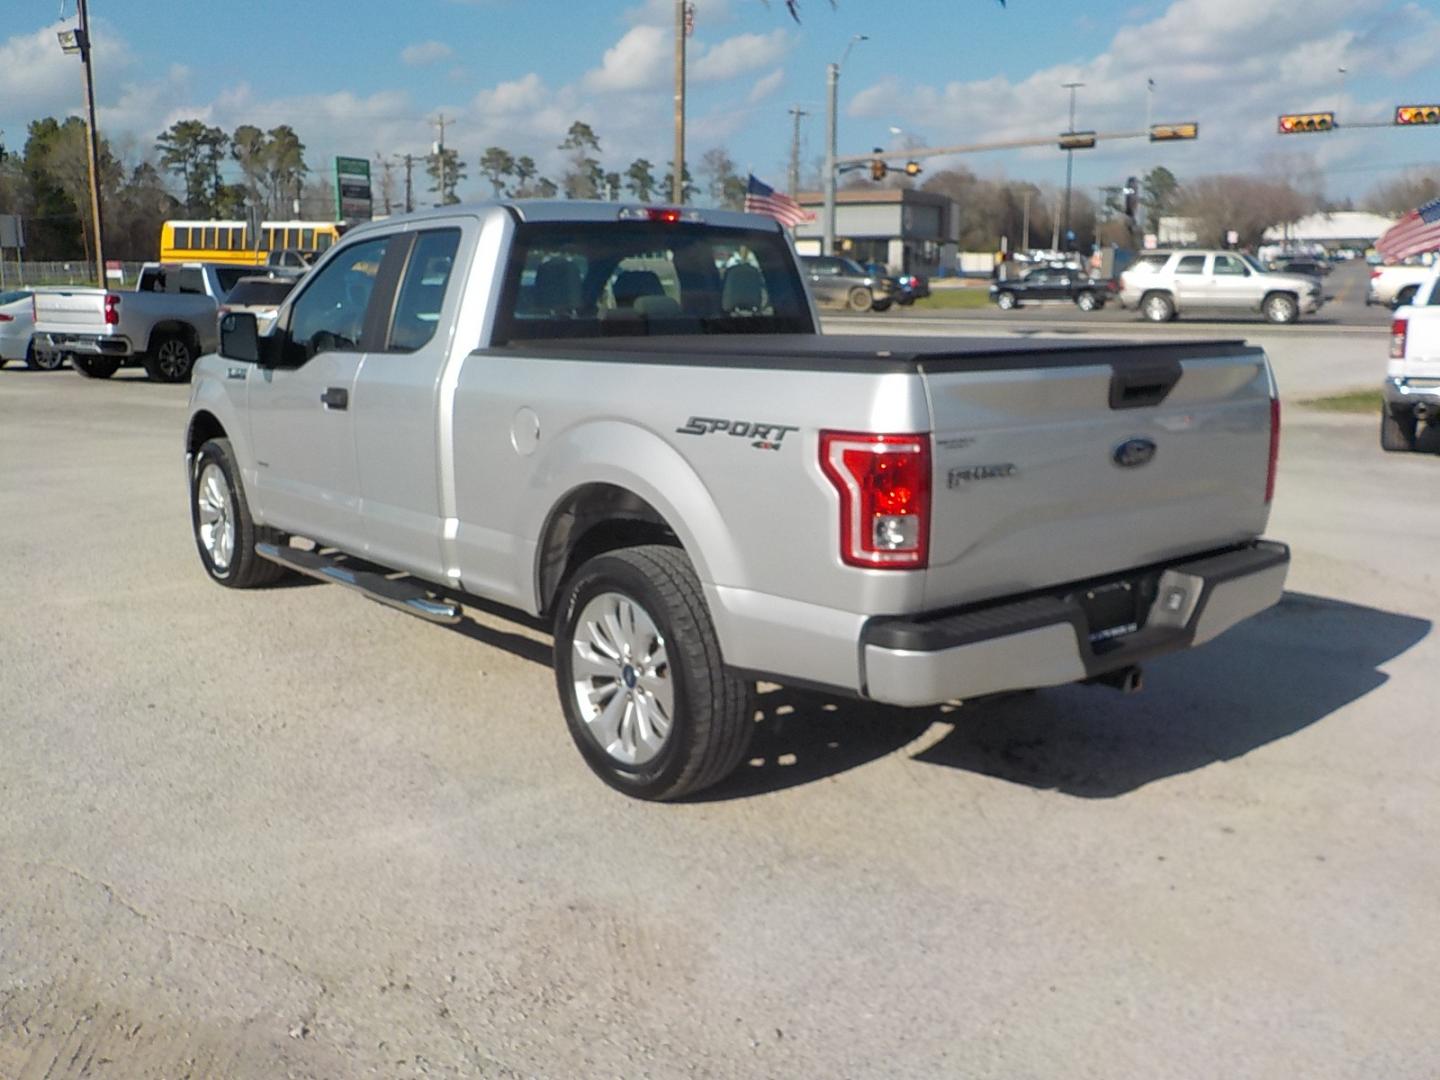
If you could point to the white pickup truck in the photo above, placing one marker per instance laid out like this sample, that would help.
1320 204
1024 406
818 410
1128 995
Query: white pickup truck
1412 378
1395 286
624 420
165 324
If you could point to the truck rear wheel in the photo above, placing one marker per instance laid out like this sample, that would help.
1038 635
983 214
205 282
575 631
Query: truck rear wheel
1397 429
95 367
170 359
1157 307
45 359
647 697
225 533
861 299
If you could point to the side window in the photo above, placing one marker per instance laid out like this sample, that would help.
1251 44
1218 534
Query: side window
422 290
182 237
1228 264
1191 264
329 315
191 281
1434 294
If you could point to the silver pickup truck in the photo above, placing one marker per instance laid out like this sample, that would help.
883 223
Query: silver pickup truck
165 324
600 415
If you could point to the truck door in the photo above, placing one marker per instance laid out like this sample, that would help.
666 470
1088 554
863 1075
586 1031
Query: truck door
300 420
1235 287
397 405
1192 283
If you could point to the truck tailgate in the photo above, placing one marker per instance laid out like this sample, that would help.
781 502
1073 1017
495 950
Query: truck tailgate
1053 466
71 311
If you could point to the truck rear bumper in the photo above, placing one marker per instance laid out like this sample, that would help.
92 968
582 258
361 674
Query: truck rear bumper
1404 391
1078 633
89 344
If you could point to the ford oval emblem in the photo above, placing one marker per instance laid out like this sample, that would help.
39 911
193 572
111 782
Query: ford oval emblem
1132 453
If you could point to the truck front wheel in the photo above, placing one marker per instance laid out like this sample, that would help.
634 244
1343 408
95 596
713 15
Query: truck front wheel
170 359
225 533
647 697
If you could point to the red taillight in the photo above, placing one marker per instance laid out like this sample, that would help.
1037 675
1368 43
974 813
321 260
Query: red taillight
1399 332
6 318
884 487
1274 449
112 309
1374 274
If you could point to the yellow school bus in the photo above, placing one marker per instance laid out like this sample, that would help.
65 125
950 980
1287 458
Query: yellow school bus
232 241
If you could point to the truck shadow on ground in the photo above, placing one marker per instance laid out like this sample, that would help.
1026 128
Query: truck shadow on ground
1264 680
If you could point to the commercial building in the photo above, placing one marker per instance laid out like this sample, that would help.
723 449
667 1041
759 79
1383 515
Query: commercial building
910 231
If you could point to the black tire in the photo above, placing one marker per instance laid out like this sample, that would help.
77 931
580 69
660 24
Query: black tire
46 359
95 367
1006 300
713 713
1398 429
1087 301
905 301
1157 307
244 569
170 359
881 305
1280 308
860 299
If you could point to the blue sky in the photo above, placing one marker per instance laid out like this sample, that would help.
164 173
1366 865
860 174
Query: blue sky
365 76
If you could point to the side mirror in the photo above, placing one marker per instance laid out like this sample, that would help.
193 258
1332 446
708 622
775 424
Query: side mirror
240 339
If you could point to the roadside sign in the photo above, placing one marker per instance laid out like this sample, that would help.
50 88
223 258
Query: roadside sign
353 200
12 231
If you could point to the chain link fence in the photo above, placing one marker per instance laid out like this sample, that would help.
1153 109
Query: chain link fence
14 275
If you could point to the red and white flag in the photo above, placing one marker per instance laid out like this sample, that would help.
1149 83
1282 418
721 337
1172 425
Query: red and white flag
761 198
1414 234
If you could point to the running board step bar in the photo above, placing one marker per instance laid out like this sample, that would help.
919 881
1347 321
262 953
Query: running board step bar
401 595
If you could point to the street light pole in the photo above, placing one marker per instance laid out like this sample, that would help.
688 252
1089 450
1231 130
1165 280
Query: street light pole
1069 159
832 84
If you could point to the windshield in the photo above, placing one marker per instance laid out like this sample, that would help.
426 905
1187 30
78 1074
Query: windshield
13 297
227 276
637 278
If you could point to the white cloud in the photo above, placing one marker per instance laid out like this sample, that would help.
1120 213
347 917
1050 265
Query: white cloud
1232 65
740 54
423 53
638 60
508 98
662 13
37 79
765 86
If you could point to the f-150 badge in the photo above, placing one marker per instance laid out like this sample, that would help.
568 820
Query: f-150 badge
970 473
763 436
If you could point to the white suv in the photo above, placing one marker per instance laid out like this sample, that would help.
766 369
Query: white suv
1163 284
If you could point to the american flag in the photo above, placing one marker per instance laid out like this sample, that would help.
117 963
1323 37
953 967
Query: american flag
761 198
1415 233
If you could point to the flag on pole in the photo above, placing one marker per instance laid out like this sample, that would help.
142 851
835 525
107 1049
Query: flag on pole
689 20
1415 233
761 198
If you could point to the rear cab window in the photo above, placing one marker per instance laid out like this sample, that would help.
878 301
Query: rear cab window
267 292
638 278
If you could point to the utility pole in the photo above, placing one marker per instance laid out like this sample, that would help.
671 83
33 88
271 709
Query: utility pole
440 122
832 90
797 113
387 185
1069 158
409 160
1025 222
677 174
92 138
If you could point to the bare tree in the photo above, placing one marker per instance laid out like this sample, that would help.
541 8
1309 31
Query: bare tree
1247 205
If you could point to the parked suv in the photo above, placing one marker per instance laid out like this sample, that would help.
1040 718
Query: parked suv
1165 284
844 283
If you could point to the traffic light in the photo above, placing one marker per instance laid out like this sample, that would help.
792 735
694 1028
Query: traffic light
1077 140
912 168
1170 132
1132 194
878 168
1302 123
1405 115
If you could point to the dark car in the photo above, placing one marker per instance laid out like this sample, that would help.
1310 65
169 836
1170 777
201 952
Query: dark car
907 288
1309 267
1053 284
844 283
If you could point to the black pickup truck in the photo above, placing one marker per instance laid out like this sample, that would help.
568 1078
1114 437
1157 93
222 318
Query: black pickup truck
1049 284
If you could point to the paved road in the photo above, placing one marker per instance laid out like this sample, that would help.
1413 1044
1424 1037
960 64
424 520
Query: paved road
290 833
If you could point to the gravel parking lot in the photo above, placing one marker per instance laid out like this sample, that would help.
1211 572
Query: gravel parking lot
292 833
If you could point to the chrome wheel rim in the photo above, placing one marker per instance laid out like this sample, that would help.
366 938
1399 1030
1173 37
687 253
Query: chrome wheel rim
1279 310
1156 309
1087 302
172 357
1005 301
216 521
621 677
